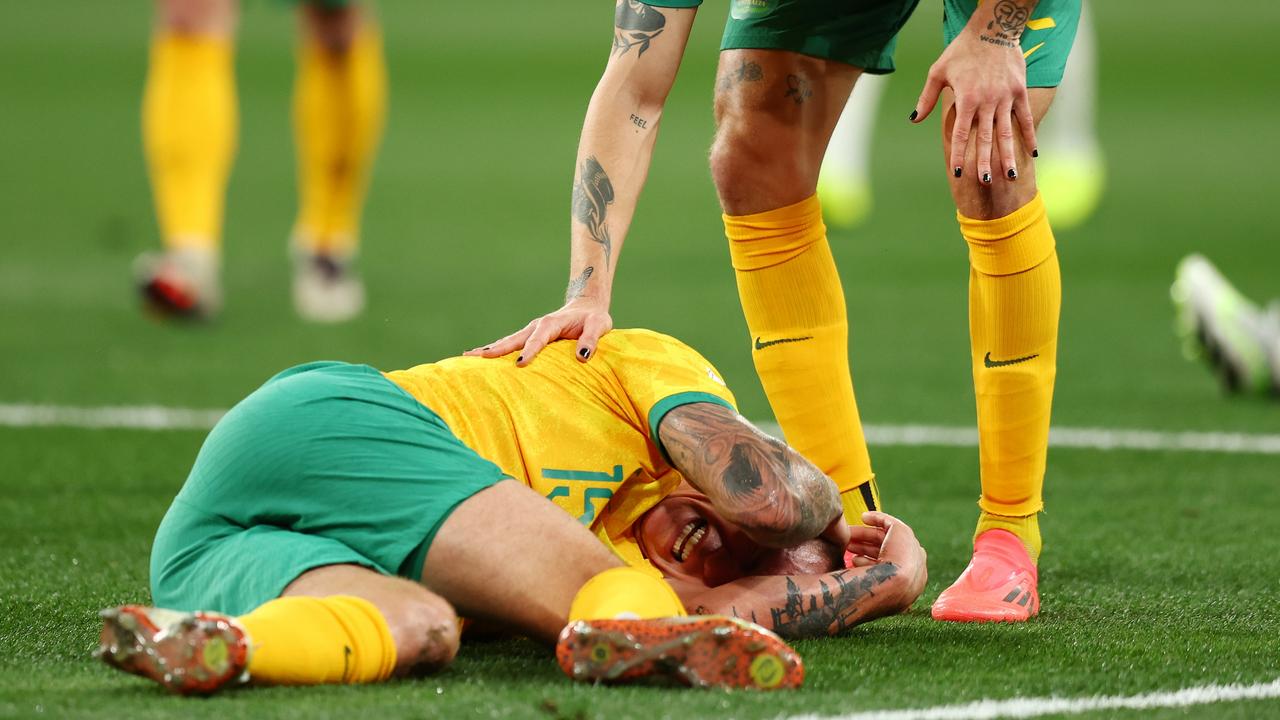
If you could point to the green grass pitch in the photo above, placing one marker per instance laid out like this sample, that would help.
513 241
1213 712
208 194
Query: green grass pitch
1160 569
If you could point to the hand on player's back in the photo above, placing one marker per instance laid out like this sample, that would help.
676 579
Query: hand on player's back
987 74
583 319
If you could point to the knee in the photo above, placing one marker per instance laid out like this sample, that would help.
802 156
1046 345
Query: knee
196 17
427 635
332 28
758 162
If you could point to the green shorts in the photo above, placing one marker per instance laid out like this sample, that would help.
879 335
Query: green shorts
862 33
325 463
1046 41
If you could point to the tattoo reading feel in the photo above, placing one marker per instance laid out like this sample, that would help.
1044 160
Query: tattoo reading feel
744 73
591 198
1006 29
635 25
798 89
578 284
639 121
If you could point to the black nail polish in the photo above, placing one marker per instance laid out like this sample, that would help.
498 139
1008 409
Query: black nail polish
957 171
584 352
1035 152
986 178
520 359
914 114
1013 174
487 347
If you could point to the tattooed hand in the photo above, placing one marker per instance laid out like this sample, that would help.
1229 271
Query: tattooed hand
986 71
754 481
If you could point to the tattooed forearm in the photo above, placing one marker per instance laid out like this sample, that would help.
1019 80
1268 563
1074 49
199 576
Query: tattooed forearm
746 72
639 121
1010 20
821 609
578 284
592 195
798 89
755 481
635 25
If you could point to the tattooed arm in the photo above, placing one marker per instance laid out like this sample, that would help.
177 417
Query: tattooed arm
820 604
754 481
614 153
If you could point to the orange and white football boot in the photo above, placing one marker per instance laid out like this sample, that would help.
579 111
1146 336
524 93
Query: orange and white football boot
188 653
699 651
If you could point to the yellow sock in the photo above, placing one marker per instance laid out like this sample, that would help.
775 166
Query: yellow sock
1026 527
625 592
1015 293
339 107
794 306
189 135
311 641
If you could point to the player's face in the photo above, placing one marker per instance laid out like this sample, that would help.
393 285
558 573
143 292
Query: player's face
685 538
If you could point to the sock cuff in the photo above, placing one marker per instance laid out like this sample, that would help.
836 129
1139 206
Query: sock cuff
772 237
218 46
373 658
1009 245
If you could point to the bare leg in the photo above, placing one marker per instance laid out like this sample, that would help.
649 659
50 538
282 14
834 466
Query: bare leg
508 556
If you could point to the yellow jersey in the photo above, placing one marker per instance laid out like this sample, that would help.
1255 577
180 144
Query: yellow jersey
584 435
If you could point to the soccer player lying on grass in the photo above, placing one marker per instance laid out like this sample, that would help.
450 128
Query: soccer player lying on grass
338 520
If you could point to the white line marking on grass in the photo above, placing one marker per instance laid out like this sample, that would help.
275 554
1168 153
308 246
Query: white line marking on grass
159 417
1037 707
138 417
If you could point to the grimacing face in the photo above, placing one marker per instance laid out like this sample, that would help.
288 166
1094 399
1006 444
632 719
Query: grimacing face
685 538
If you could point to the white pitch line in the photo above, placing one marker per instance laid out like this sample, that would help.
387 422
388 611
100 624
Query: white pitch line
1029 707
136 417
159 417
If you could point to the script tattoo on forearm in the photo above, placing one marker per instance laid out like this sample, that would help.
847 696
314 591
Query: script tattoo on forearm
756 480
746 72
592 195
828 609
1007 27
578 284
635 25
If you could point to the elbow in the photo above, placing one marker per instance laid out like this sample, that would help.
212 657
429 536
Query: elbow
800 513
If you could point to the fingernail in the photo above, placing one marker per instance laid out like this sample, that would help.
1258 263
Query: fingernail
1035 152
986 178
957 171
914 114
520 359
584 352
1013 174
486 347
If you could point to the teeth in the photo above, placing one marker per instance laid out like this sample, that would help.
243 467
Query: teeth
688 539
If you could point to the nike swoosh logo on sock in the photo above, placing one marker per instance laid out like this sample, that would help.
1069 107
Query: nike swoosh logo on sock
1001 363
762 345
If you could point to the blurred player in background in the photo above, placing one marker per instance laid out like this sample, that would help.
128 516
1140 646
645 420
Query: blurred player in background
1216 322
189 126
1071 174
785 74
336 517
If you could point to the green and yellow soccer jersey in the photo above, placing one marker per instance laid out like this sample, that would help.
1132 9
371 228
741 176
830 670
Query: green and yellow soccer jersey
584 435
